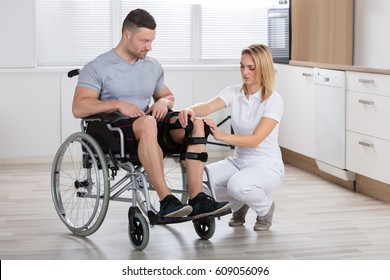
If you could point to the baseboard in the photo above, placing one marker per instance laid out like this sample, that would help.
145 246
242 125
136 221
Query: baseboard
310 165
26 160
364 185
373 188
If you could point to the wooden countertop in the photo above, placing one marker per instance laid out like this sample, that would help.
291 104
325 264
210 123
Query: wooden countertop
340 67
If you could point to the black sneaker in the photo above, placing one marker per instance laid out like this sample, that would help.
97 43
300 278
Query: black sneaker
204 205
171 207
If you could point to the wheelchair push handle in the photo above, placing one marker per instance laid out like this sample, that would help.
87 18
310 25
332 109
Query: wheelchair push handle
73 73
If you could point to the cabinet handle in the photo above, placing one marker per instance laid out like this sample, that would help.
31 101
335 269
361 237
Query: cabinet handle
366 102
366 81
307 75
366 144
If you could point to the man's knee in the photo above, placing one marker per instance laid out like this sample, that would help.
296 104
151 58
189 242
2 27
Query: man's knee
145 126
199 129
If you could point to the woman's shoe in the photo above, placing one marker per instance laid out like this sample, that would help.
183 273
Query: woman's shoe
265 222
238 218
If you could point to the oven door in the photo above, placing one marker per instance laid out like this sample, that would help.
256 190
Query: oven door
279 34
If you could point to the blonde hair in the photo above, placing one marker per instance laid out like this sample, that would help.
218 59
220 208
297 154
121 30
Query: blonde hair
265 73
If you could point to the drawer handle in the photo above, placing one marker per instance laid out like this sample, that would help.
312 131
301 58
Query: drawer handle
366 81
366 102
366 144
308 75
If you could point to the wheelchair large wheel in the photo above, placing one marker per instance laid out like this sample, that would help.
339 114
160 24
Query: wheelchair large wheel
176 178
205 228
79 184
138 231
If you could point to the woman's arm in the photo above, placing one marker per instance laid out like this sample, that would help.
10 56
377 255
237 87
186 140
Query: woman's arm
263 129
201 110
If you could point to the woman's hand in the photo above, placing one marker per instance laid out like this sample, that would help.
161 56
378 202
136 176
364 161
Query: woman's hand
215 131
184 115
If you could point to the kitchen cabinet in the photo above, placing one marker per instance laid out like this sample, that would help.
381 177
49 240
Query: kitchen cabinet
297 129
322 31
368 133
282 86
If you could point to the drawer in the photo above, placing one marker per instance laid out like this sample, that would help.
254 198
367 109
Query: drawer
368 82
368 156
368 114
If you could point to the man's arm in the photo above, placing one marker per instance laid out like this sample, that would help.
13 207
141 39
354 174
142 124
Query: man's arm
86 103
163 101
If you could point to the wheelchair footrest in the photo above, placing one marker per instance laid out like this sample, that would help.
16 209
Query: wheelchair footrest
156 219
213 216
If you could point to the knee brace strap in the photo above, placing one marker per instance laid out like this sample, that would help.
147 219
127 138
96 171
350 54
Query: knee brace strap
196 156
194 141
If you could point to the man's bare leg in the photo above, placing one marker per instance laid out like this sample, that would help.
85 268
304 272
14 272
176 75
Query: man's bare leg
150 154
151 157
202 204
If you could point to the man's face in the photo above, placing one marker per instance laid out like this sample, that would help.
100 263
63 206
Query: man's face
140 43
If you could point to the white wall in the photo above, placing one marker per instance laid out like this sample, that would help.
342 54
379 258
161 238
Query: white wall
372 33
35 114
17 33
30 114
35 110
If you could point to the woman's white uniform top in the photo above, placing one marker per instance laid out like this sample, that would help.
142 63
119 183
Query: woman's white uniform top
246 114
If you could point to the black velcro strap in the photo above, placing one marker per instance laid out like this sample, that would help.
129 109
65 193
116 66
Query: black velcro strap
172 126
196 140
196 156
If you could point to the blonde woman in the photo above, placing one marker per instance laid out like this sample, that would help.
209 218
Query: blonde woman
256 169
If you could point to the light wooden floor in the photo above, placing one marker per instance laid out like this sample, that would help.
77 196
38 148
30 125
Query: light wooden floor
313 219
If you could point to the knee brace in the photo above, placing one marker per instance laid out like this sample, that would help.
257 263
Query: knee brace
167 143
188 140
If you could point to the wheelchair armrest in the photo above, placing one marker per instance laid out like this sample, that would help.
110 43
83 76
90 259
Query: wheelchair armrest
106 117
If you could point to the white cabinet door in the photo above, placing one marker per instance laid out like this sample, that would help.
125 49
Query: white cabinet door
297 130
282 86
368 136
303 92
368 156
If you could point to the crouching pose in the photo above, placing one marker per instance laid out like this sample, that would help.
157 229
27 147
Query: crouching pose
248 178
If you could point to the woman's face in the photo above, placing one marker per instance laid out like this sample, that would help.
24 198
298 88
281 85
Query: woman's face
248 70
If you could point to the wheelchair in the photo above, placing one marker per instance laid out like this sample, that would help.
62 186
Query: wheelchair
92 168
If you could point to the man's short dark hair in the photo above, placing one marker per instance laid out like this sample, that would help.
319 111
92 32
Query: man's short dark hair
139 18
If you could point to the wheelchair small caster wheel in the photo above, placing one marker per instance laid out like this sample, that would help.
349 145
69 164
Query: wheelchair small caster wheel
205 228
138 230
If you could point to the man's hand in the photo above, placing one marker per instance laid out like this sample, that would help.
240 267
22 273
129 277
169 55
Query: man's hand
158 110
130 110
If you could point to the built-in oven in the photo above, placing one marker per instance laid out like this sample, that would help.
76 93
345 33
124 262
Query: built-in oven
279 34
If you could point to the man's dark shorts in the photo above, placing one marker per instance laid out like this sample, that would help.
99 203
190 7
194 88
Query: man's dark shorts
109 141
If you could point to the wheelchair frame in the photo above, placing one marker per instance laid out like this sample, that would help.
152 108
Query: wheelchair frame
81 191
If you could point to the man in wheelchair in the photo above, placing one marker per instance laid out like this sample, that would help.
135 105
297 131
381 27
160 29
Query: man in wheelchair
125 80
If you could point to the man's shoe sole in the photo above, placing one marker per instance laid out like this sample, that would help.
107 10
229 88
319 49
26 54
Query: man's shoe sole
223 209
182 212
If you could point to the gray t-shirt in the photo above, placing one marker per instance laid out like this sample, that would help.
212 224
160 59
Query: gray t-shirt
116 79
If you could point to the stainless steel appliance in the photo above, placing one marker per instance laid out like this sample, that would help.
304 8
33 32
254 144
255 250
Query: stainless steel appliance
279 34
